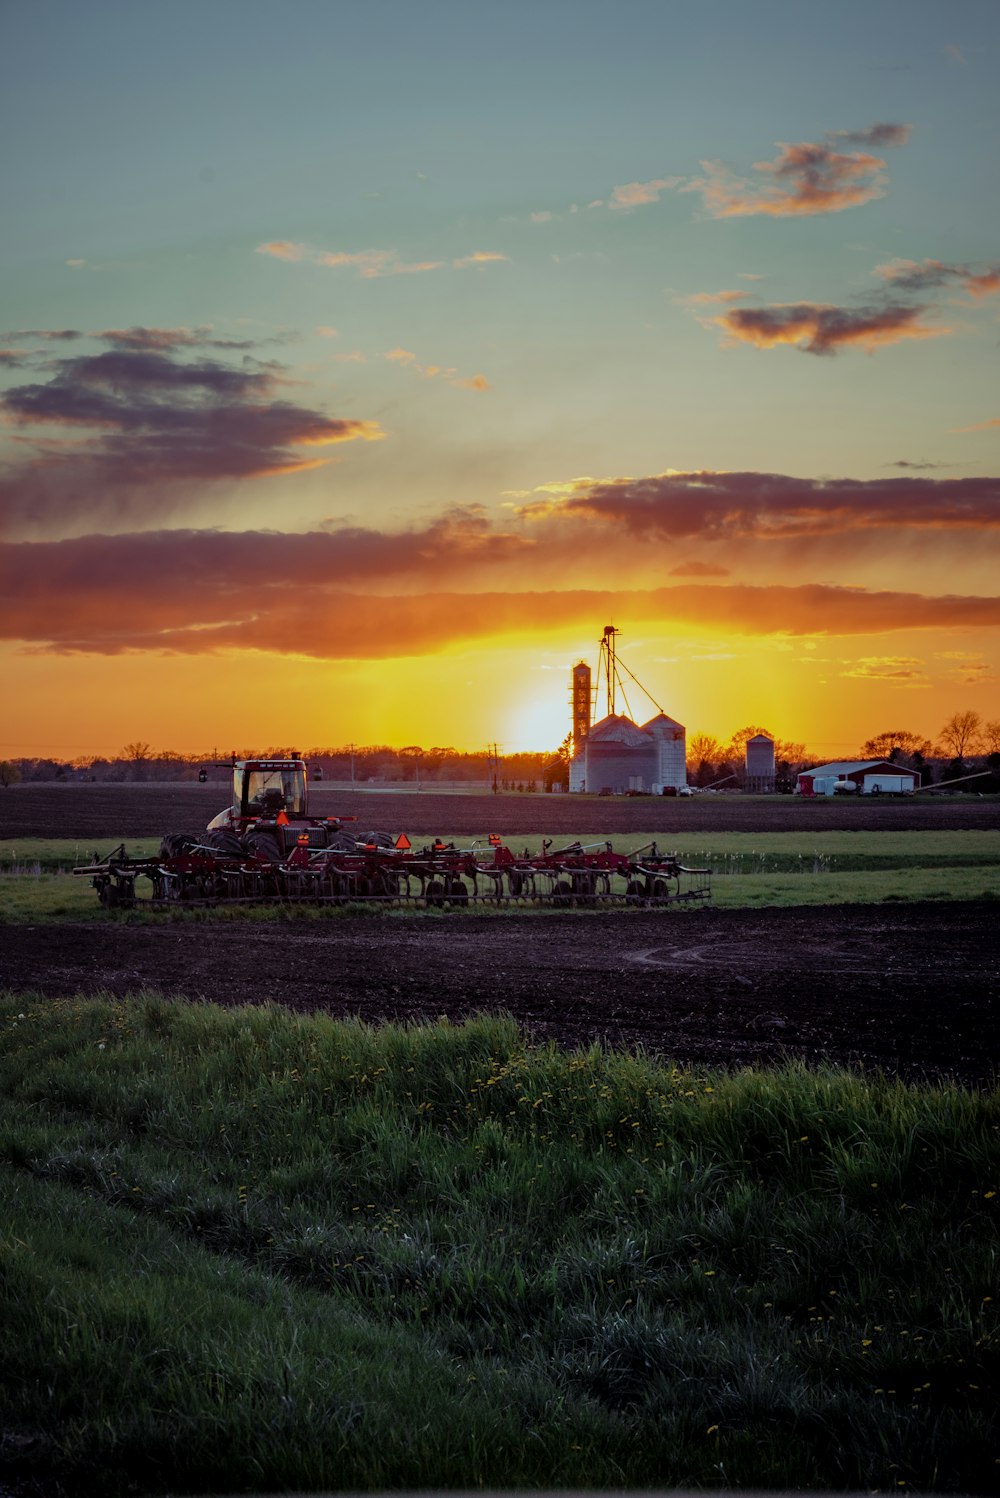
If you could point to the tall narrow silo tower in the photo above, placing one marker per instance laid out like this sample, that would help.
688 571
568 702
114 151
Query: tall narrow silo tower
581 704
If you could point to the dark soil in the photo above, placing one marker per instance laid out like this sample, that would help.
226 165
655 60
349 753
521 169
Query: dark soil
908 989
83 810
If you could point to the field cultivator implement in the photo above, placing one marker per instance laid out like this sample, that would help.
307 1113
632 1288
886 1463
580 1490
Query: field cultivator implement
189 872
265 849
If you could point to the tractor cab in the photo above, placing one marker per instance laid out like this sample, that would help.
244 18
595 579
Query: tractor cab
265 789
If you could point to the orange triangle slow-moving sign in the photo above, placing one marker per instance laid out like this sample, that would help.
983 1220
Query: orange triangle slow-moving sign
403 841
281 820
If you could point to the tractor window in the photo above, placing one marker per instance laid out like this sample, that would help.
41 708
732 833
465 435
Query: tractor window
280 789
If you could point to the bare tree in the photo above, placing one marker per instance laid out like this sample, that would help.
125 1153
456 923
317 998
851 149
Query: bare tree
991 737
703 747
960 735
138 755
9 773
411 754
737 746
789 752
894 740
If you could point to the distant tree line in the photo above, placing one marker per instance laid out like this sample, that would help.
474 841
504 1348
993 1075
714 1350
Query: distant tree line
966 745
360 763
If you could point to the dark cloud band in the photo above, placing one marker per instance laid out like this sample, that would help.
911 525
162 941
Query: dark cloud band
344 594
115 429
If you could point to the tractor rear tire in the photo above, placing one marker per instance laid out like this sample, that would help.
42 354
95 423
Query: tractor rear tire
224 840
264 845
174 844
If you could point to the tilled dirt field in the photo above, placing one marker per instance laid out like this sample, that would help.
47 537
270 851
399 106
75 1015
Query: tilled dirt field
81 810
908 989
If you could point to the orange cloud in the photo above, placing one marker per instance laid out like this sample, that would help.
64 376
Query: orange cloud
634 194
479 257
819 329
326 434
408 360
711 298
373 263
282 249
981 426
917 276
369 264
896 670
805 178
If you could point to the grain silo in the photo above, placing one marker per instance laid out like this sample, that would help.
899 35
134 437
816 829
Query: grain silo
759 774
620 756
671 744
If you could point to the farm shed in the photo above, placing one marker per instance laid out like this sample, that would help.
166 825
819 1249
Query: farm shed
865 777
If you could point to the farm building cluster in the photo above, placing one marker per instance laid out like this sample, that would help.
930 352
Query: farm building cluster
617 755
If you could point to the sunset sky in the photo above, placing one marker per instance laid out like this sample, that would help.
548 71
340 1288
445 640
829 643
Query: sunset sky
358 364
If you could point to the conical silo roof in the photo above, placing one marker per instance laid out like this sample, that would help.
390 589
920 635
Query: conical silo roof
662 724
616 730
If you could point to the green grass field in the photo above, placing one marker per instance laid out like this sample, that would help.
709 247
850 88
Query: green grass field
247 1250
789 868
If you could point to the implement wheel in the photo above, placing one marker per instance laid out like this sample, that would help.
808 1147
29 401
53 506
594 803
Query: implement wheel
435 893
